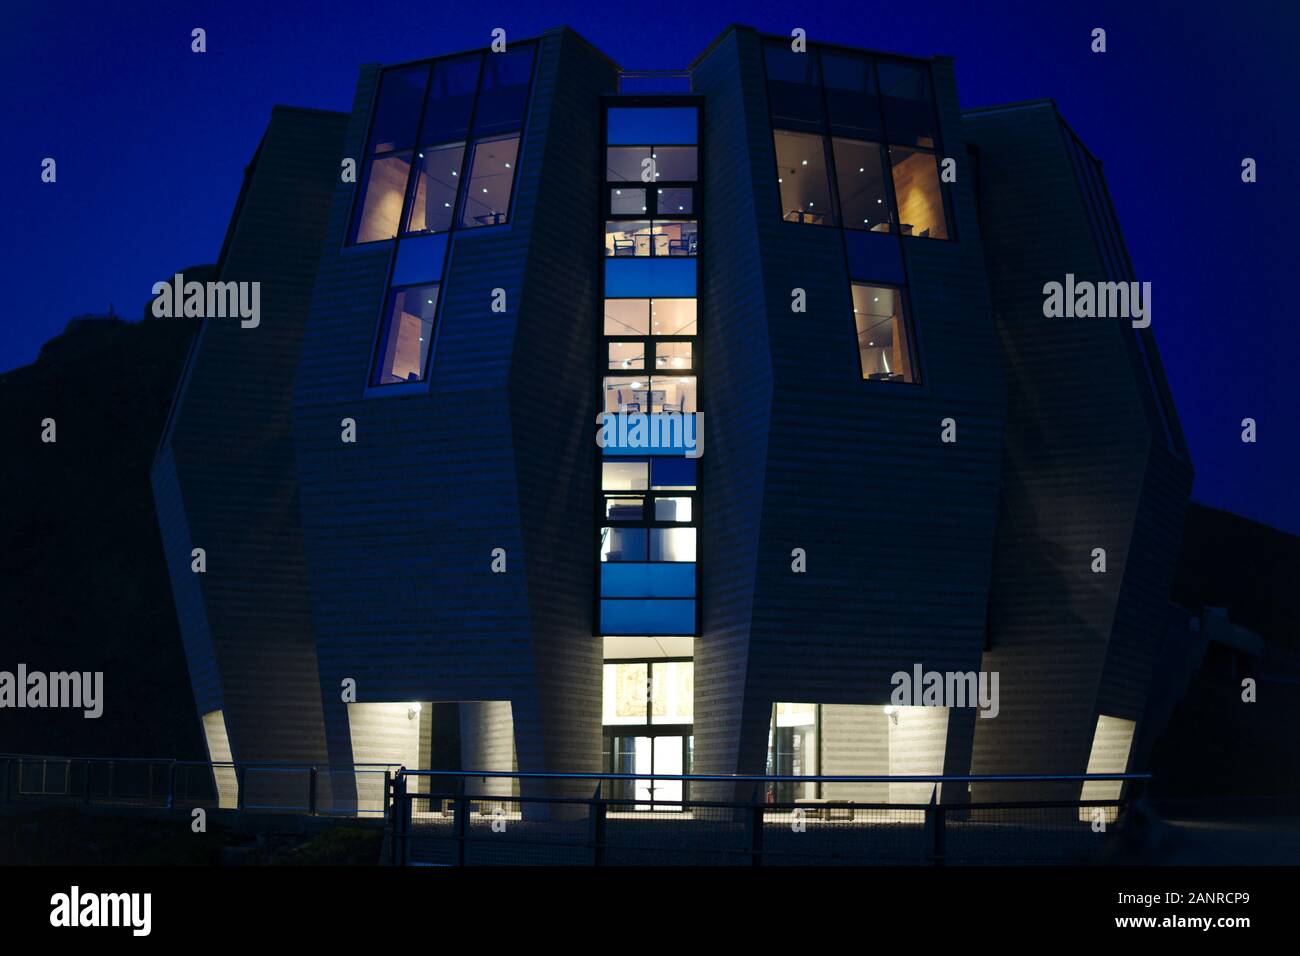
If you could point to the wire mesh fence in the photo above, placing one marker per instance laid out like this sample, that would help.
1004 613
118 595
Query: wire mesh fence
486 819
360 790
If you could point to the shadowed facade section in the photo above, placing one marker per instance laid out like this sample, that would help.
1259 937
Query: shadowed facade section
225 477
1094 459
497 453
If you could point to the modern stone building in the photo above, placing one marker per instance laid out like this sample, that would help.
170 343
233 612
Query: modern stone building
799 296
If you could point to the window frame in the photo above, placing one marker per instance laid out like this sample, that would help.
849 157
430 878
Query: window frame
828 135
909 329
380 338
470 141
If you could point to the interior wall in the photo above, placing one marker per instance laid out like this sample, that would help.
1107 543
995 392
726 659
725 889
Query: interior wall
214 732
487 742
917 740
855 740
1111 743
383 733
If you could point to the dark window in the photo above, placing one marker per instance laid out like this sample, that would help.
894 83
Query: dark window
792 87
860 177
801 175
397 109
851 100
450 101
503 93
908 104
406 335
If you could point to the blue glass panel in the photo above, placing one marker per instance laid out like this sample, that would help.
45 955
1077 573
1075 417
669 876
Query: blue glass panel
660 277
419 259
874 257
397 108
651 126
663 580
647 617
450 101
503 91
672 473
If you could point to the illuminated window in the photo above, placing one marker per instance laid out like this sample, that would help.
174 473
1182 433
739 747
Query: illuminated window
649 692
920 197
884 341
491 178
640 237
414 178
383 188
406 335
437 177
801 175
859 174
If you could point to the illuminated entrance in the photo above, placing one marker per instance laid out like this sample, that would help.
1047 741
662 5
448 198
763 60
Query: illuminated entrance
647 719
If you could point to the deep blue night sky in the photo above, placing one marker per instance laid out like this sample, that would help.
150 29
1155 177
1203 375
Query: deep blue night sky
151 141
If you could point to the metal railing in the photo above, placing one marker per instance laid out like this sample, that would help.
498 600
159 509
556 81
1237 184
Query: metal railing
485 818
354 790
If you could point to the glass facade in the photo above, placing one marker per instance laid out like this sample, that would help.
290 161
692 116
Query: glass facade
856 143
877 119
648 511
442 156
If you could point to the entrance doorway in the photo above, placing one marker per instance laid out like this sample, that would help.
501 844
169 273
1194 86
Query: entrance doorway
663 751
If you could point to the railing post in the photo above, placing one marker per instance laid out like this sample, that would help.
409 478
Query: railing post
461 820
936 814
596 827
171 785
399 819
239 787
756 810
311 792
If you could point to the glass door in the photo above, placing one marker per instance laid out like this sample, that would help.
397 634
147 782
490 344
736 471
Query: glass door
648 754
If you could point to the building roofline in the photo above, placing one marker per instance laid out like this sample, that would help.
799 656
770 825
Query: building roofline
290 108
869 51
536 38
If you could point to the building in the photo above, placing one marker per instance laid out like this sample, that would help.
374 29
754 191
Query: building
800 298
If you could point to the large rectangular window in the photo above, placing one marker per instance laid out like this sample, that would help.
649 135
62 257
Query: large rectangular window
871 115
908 103
860 175
884 340
491 179
640 237
920 197
801 174
383 188
437 177
414 179
406 335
